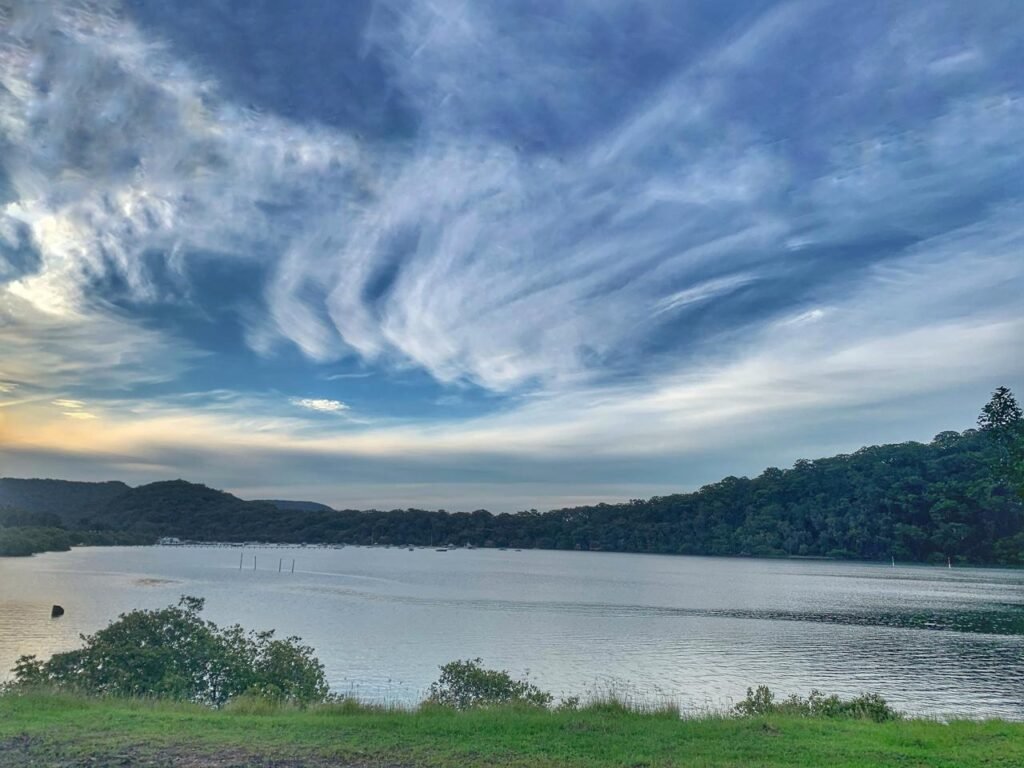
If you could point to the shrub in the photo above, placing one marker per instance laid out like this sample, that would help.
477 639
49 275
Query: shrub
758 702
868 706
466 684
174 653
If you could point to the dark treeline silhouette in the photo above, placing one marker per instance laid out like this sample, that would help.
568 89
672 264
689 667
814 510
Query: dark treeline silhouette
954 498
22 534
67 501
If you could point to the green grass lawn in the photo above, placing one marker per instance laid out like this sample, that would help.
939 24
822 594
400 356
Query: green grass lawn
60 730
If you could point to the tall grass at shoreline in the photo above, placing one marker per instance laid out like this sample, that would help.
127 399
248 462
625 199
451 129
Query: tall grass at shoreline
46 728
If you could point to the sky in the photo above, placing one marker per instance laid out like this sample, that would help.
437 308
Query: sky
464 254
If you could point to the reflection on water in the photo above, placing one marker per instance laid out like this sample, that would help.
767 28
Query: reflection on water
695 630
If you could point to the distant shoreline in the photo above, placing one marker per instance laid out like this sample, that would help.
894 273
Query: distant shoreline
320 546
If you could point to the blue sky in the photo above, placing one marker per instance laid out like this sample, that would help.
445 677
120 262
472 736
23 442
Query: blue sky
500 254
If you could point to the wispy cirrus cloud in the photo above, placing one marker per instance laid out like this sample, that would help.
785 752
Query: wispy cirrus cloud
69 404
80 415
703 291
343 376
74 409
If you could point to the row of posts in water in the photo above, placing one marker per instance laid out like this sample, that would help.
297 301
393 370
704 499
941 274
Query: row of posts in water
280 563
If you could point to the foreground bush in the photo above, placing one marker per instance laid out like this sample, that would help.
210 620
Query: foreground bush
466 684
868 706
174 653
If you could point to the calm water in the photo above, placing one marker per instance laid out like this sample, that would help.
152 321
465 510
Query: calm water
694 630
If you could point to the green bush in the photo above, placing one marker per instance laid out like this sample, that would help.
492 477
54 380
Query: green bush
174 653
758 702
466 684
868 706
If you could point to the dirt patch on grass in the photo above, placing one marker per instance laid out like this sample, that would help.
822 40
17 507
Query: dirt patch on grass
25 752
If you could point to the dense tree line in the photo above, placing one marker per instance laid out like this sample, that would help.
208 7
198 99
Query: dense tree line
26 533
954 497
24 540
67 501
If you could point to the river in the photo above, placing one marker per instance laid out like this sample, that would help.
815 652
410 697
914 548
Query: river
692 630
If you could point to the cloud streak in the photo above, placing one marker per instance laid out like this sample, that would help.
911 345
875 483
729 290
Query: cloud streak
71 404
320 404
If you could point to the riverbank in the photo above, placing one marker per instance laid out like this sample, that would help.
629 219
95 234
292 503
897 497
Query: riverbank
25 541
62 730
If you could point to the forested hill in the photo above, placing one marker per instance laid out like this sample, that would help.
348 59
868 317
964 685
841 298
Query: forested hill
910 501
955 497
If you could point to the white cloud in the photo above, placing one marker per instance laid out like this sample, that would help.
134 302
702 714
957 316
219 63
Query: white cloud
80 415
70 404
204 168
59 352
703 291
956 63
522 270
120 154
321 405
341 376
810 316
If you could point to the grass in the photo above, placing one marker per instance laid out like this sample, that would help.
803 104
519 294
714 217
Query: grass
64 730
